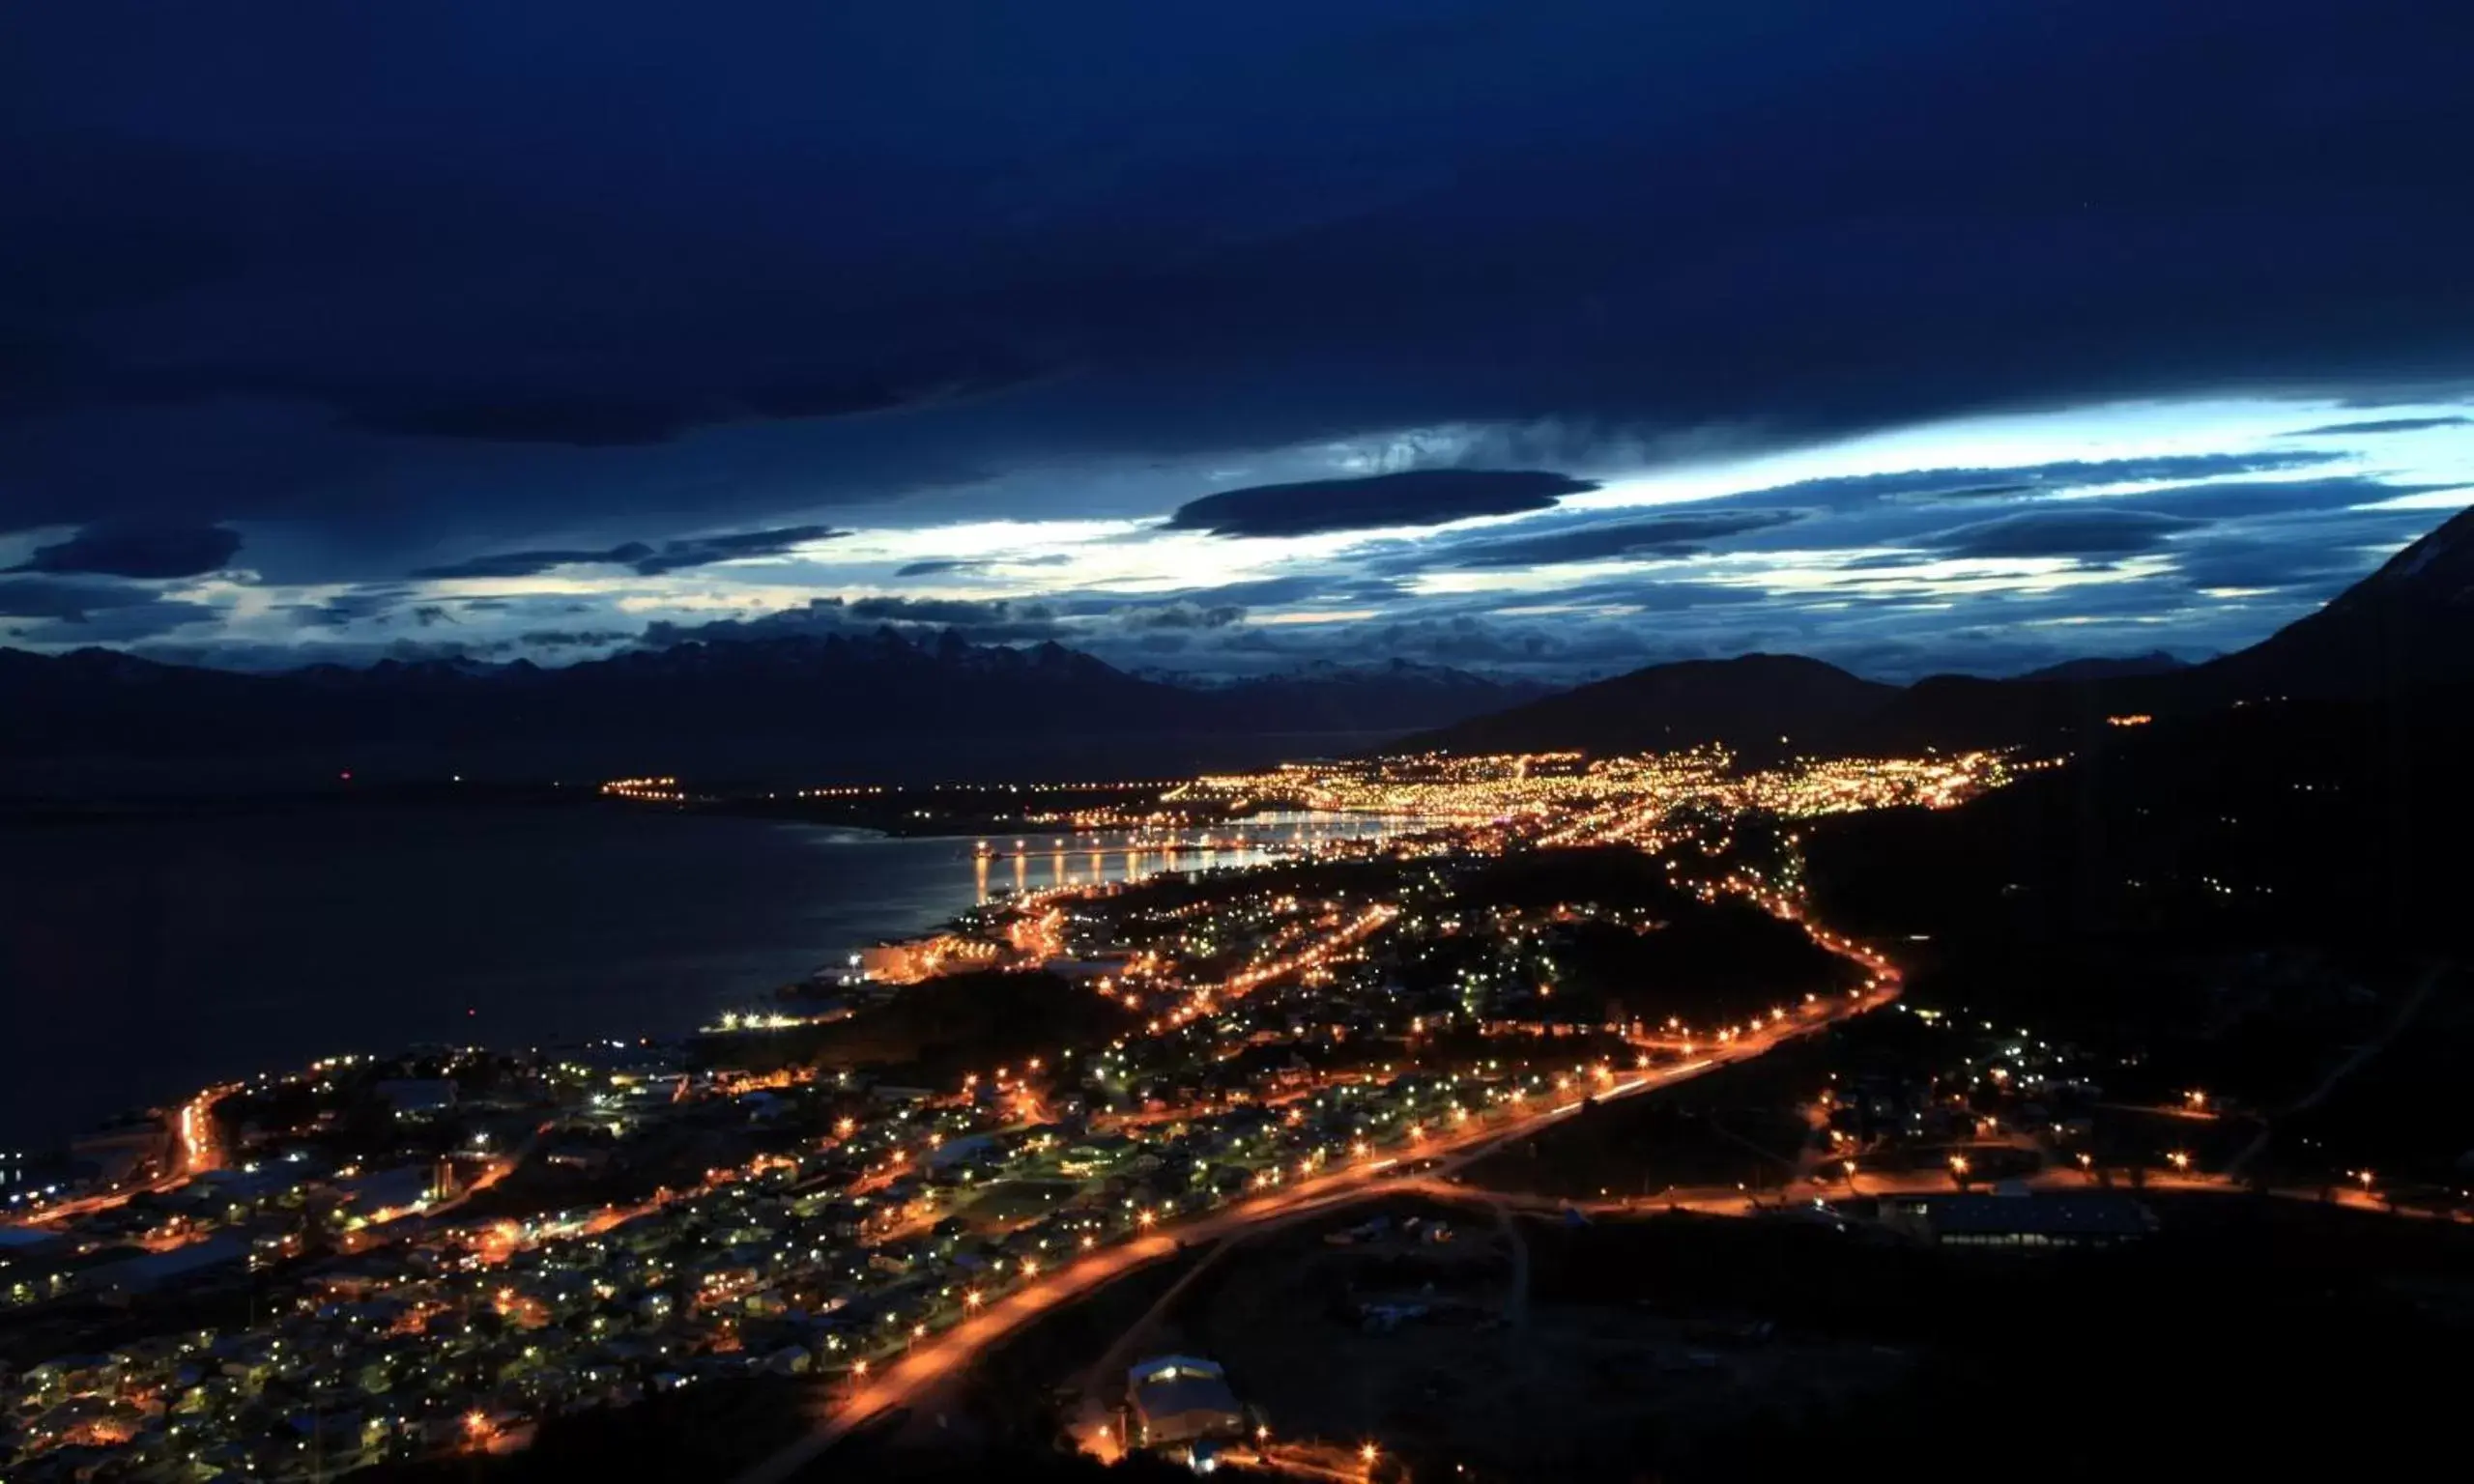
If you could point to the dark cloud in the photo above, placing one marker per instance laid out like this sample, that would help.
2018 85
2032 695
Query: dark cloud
121 625
2239 562
1301 587
1428 497
703 550
1659 596
128 552
642 559
362 605
1184 615
588 422
603 421
1850 511
1593 540
44 598
408 283
937 566
511 565
2097 532
77 612
2308 554
573 638
1936 486
617 420
1873 562
2382 425
953 612
2234 500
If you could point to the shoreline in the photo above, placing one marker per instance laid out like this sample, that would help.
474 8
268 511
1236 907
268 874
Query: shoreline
892 888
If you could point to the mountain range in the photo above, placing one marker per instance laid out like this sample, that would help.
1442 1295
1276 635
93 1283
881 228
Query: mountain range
880 704
891 705
2406 631
1754 704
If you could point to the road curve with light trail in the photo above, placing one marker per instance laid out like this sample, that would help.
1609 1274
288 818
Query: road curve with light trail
946 1355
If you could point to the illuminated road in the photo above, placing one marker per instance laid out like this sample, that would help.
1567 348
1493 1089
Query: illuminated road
934 1360
195 1152
1733 1201
194 1128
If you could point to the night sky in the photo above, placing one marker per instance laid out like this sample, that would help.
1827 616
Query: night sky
1550 338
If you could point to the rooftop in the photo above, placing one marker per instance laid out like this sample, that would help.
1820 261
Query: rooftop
2048 1216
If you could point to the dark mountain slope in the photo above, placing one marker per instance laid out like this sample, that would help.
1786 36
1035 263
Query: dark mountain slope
2154 663
878 704
1756 704
2407 628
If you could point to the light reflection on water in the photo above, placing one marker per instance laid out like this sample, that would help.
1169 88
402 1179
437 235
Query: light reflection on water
1046 862
141 959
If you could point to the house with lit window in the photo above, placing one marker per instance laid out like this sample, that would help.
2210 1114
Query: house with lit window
2089 1220
1180 1399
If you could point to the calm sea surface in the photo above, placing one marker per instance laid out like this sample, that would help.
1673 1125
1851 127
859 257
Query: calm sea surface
140 960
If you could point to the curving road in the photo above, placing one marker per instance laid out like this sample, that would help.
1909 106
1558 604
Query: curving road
941 1358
